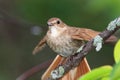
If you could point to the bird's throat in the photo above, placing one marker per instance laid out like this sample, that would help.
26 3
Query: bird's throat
54 32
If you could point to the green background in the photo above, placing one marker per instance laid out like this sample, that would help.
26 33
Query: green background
23 23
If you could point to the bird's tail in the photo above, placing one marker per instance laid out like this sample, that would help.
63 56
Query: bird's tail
73 74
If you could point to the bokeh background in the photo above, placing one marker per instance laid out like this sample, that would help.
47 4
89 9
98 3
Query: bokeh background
23 23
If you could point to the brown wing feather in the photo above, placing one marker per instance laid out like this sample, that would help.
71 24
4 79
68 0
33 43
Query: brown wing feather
83 33
40 45
88 34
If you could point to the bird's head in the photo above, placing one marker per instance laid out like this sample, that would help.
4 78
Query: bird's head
56 26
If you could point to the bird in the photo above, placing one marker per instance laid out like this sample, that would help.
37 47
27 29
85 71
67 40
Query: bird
65 40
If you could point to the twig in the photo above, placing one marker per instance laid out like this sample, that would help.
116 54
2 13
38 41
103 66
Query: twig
97 42
34 70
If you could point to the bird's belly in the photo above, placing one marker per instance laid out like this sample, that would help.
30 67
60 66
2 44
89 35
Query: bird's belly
64 47
66 51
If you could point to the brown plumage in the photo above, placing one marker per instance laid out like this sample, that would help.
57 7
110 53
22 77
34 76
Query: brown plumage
60 36
65 41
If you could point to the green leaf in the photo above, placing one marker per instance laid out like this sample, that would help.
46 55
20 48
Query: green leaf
115 74
105 78
97 73
117 52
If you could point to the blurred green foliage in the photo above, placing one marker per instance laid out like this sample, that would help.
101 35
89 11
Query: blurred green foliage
98 73
19 20
106 72
117 52
103 73
115 73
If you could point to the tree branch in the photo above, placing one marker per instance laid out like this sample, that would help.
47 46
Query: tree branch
34 70
97 42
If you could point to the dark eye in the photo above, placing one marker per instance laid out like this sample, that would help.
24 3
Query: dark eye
58 22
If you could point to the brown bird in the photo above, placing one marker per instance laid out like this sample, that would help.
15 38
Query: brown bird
66 40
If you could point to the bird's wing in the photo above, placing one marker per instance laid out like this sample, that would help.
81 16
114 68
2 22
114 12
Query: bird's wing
88 34
83 33
73 74
40 45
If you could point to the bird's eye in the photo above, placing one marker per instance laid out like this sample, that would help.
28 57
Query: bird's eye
58 22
